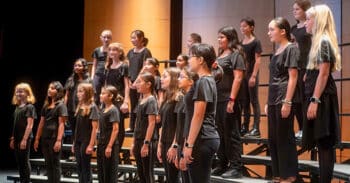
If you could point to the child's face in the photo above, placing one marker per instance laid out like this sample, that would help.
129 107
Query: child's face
78 67
184 80
105 96
135 40
276 34
114 53
142 86
245 28
52 91
223 41
165 80
309 24
149 67
194 63
180 62
80 94
106 38
189 42
21 94
298 12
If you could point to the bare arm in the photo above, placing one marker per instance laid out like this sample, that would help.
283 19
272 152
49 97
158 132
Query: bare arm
322 78
93 134
29 127
113 134
197 121
151 126
238 76
38 133
93 69
292 82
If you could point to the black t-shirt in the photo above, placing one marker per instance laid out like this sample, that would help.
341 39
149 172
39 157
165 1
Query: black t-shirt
326 54
279 75
189 108
168 120
180 120
20 117
250 50
84 124
136 62
149 107
106 124
205 90
72 97
51 116
101 59
233 61
304 43
115 77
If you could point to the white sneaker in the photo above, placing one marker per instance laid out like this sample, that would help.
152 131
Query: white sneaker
299 134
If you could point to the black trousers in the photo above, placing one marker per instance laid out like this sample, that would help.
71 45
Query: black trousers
252 98
144 164
134 98
52 160
83 162
282 144
98 82
107 168
203 154
22 159
171 172
228 124
326 159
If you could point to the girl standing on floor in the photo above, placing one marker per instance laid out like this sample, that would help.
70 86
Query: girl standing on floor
252 49
24 116
152 65
80 74
50 130
144 139
108 145
136 57
202 140
98 66
281 97
87 116
117 68
228 113
303 41
321 121
186 82
166 149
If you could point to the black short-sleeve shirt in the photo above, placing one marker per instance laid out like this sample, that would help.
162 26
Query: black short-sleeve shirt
304 43
279 74
83 126
115 77
136 62
72 97
101 59
51 116
107 119
189 108
168 120
180 120
149 107
205 90
326 54
250 50
21 114
233 61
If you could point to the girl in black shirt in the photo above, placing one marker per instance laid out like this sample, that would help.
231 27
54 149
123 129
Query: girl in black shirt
167 151
228 113
321 114
152 65
98 66
250 85
202 140
51 129
87 115
186 81
108 146
117 75
281 97
144 139
80 74
136 57
24 116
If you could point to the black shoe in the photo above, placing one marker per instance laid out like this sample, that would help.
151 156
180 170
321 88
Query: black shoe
232 173
255 133
219 170
244 130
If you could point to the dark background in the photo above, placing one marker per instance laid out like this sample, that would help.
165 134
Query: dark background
39 42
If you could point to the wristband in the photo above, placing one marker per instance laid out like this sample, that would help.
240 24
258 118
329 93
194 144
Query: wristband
188 145
288 102
146 142
231 99
315 100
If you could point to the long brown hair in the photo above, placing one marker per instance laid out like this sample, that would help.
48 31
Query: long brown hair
172 92
88 98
